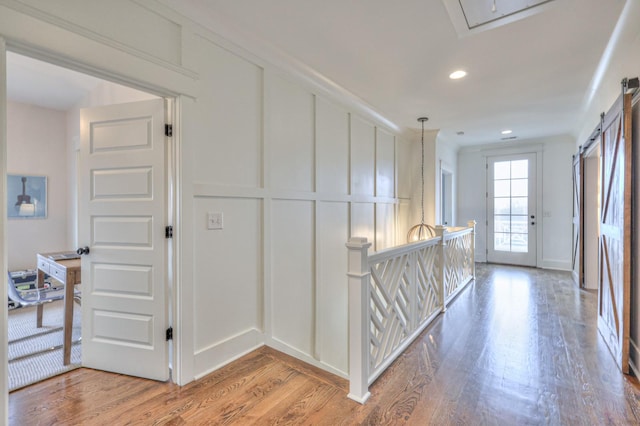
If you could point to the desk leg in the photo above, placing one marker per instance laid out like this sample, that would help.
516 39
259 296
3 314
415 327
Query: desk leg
39 308
68 317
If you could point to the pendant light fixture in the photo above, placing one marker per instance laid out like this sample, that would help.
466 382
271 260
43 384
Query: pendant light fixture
421 231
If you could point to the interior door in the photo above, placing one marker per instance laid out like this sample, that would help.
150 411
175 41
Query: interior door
614 251
122 218
577 256
511 206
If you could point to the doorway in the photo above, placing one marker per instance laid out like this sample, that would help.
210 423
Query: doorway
511 209
34 85
591 206
446 197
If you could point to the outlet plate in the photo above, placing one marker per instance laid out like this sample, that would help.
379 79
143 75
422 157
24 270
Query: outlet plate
214 220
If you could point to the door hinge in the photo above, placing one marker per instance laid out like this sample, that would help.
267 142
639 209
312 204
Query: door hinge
168 231
169 333
168 130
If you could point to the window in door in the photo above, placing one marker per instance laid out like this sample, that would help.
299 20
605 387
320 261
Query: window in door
511 206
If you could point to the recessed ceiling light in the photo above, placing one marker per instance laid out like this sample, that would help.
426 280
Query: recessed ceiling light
457 74
506 132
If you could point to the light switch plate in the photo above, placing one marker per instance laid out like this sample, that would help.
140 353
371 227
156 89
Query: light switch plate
214 220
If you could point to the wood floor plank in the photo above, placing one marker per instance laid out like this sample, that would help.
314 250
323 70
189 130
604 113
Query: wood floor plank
518 346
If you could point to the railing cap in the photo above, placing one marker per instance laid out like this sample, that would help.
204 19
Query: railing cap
358 243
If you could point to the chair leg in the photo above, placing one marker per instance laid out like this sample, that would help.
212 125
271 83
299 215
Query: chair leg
40 308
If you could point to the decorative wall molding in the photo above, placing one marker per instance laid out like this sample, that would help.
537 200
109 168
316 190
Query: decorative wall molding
92 35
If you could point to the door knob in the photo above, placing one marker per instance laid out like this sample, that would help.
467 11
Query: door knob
533 217
83 250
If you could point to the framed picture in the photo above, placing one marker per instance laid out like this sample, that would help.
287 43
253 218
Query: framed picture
26 197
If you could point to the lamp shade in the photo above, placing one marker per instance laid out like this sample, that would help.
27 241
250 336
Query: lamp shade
420 232
27 209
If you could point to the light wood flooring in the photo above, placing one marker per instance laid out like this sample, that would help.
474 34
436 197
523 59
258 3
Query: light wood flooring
517 347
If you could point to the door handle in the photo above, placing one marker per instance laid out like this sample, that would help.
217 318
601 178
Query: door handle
533 223
533 217
83 250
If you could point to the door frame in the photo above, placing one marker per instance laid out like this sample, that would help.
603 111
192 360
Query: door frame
538 150
4 403
173 171
591 214
445 170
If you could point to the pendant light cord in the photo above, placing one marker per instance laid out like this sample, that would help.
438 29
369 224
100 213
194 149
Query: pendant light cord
422 175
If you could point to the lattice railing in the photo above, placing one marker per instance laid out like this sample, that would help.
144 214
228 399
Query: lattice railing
395 293
459 266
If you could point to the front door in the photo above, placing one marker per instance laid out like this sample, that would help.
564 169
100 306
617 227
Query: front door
614 268
122 218
511 207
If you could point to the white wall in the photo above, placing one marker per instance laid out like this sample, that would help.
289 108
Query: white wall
294 170
295 174
620 60
555 213
36 145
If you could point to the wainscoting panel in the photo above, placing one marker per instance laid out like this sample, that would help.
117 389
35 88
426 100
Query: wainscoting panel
362 221
332 148
385 164
385 226
332 296
231 152
228 272
290 127
363 136
292 274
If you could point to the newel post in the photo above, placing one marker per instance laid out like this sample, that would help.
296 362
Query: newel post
441 231
358 277
472 224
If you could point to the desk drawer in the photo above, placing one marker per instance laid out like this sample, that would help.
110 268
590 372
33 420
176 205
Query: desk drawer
43 265
58 272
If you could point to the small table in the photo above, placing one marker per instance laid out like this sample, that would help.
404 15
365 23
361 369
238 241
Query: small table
67 271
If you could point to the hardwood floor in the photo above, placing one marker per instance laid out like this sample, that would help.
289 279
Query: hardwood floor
517 347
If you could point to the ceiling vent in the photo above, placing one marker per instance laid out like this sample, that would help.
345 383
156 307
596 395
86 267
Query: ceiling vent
471 16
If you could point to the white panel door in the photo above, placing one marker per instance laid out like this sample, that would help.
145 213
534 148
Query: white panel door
122 218
511 207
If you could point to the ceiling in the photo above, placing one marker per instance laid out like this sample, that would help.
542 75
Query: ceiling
528 72
529 75
49 86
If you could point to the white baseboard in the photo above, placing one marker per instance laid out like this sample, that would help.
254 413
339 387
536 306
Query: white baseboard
560 265
634 357
219 354
302 356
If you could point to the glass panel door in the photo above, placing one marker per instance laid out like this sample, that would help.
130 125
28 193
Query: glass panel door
511 209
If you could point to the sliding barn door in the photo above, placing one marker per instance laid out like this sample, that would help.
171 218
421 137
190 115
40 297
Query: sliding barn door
614 269
578 222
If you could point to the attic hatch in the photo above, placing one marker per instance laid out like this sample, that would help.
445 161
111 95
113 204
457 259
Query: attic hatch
471 16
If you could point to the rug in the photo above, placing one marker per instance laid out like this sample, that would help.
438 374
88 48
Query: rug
33 369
